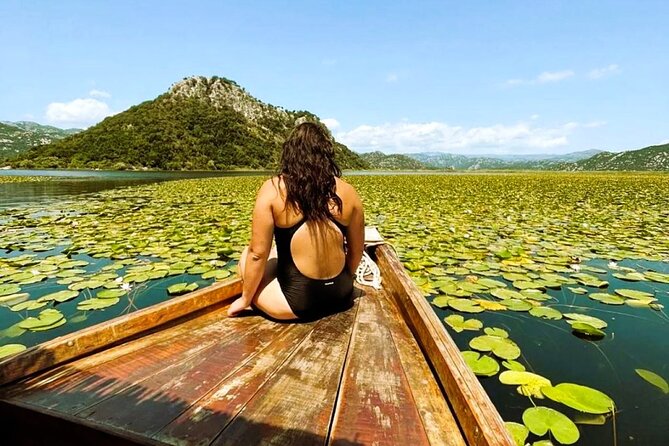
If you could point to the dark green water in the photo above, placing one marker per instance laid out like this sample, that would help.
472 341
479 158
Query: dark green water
635 338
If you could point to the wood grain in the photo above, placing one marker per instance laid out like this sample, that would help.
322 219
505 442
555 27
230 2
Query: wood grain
480 421
147 406
205 419
95 383
375 404
71 346
295 405
438 420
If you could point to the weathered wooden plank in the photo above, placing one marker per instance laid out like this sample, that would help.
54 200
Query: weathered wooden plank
148 406
205 419
375 404
24 426
96 383
477 416
76 344
43 381
295 405
438 421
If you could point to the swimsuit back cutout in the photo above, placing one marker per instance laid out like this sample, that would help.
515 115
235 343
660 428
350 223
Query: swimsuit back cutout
306 296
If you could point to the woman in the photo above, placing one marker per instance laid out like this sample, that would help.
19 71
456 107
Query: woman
311 213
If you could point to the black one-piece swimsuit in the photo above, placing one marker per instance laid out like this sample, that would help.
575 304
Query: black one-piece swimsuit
309 298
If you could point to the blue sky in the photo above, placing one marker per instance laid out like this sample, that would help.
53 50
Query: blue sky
472 77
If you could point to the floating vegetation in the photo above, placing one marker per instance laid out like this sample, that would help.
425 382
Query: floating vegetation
506 248
23 179
654 379
541 420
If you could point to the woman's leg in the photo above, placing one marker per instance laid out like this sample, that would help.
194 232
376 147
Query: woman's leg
268 298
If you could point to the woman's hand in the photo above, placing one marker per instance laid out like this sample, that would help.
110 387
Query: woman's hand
240 304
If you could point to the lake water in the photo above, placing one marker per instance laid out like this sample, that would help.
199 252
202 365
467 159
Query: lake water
636 338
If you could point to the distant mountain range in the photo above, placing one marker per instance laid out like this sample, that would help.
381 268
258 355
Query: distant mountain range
649 158
379 160
199 124
213 123
16 137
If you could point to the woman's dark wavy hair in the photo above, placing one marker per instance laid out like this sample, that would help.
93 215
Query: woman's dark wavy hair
308 170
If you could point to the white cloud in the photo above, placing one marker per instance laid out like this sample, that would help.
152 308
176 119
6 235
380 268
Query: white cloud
330 123
554 76
80 112
543 78
392 78
99 94
598 73
406 137
663 142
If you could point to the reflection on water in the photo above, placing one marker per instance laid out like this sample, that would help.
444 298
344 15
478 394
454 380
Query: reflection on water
76 182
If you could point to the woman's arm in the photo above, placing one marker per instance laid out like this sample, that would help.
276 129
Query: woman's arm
262 230
355 235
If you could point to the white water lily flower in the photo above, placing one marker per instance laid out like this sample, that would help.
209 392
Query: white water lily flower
126 287
452 229
613 265
34 272
466 236
118 280
575 267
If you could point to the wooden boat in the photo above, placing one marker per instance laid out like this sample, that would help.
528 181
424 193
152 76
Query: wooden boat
384 372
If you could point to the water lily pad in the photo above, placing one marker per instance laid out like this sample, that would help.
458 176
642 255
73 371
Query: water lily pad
504 294
28 305
634 294
47 319
97 304
6 289
494 331
11 349
518 432
581 398
513 365
630 277
546 313
516 305
590 280
481 365
586 329
578 290
59 296
181 288
110 293
654 379
503 348
529 384
458 323
656 277
13 299
464 305
441 301
489 305
540 420
591 320
606 298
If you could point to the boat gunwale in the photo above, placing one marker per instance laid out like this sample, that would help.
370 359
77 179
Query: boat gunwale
478 418
104 334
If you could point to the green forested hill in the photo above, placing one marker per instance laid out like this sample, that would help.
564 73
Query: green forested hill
16 137
379 160
200 123
649 158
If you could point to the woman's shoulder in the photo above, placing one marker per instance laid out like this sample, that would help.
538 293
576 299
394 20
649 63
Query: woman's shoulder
346 191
